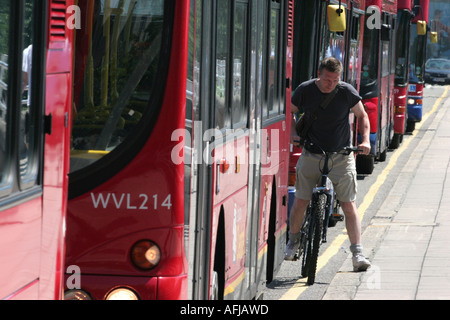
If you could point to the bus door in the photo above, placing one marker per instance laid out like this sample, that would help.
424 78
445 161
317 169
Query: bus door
230 143
20 153
255 140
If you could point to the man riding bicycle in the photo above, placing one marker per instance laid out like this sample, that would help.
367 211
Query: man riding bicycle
330 131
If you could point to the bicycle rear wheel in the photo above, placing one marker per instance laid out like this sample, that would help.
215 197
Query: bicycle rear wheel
314 239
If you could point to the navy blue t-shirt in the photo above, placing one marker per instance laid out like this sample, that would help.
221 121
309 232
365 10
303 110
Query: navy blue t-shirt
331 129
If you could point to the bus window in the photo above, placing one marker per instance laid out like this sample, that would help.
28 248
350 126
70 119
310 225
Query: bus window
239 110
115 93
369 71
29 112
222 70
4 106
274 88
402 46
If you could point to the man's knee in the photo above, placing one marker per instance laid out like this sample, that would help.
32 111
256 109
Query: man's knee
348 207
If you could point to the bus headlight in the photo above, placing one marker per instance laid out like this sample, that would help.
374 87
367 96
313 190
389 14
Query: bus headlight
76 295
122 294
145 255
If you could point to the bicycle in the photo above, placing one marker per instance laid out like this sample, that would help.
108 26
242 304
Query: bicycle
317 219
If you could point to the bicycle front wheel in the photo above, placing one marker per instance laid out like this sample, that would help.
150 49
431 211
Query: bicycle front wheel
318 213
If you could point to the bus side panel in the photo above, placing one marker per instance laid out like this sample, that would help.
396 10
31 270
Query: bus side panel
55 185
58 97
20 228
400 94
230 177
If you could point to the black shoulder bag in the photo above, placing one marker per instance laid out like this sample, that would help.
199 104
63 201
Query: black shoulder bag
306 120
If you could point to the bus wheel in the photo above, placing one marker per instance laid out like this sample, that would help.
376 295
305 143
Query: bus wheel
218 280
410 126
396 140
271 236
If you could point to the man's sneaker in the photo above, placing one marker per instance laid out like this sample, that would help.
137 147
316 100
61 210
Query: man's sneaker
360 263
292 247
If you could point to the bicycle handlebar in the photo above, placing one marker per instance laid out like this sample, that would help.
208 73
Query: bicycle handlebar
348 150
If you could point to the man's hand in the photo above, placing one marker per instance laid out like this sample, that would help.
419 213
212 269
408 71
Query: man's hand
365 147
295 140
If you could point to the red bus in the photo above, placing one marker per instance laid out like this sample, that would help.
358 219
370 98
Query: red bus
35 88
418 47
180 145
313 41
377 78
402 47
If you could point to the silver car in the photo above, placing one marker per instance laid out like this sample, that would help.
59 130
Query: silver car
437 71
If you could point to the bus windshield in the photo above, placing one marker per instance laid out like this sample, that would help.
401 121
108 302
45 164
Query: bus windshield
117 54
417 59
402 46
369 69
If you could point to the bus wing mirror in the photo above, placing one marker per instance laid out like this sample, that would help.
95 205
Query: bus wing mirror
434 36
336 18
421 28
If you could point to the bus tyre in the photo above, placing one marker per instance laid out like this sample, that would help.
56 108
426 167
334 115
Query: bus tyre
365 164
396 140
410 126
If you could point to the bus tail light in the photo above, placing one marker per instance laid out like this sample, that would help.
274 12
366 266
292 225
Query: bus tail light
145 255
122 294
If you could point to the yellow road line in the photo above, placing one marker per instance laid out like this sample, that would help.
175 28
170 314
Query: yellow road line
300 285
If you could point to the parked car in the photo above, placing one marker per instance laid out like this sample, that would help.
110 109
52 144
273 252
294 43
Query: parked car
437 71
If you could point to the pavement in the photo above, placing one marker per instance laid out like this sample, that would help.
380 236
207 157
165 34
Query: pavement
408 239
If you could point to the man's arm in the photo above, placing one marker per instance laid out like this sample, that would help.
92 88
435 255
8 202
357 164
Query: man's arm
363 126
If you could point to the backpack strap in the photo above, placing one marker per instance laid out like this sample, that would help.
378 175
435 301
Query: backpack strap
325 102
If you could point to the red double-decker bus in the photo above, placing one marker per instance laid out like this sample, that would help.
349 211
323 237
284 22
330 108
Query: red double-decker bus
402 47
180 145
377 78
35 101
418 48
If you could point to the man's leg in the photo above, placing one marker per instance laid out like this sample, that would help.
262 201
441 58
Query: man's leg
296 217
353 225
306 178
352 221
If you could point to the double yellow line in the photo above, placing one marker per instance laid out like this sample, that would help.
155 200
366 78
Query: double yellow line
300 285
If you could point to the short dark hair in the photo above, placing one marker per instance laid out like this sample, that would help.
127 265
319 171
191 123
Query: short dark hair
331 64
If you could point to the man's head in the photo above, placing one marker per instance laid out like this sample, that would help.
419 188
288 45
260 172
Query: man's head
329 74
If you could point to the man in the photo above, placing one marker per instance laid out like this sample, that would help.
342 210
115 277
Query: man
329 132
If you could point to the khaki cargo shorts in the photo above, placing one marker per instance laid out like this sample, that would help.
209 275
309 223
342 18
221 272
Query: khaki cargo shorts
342 174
